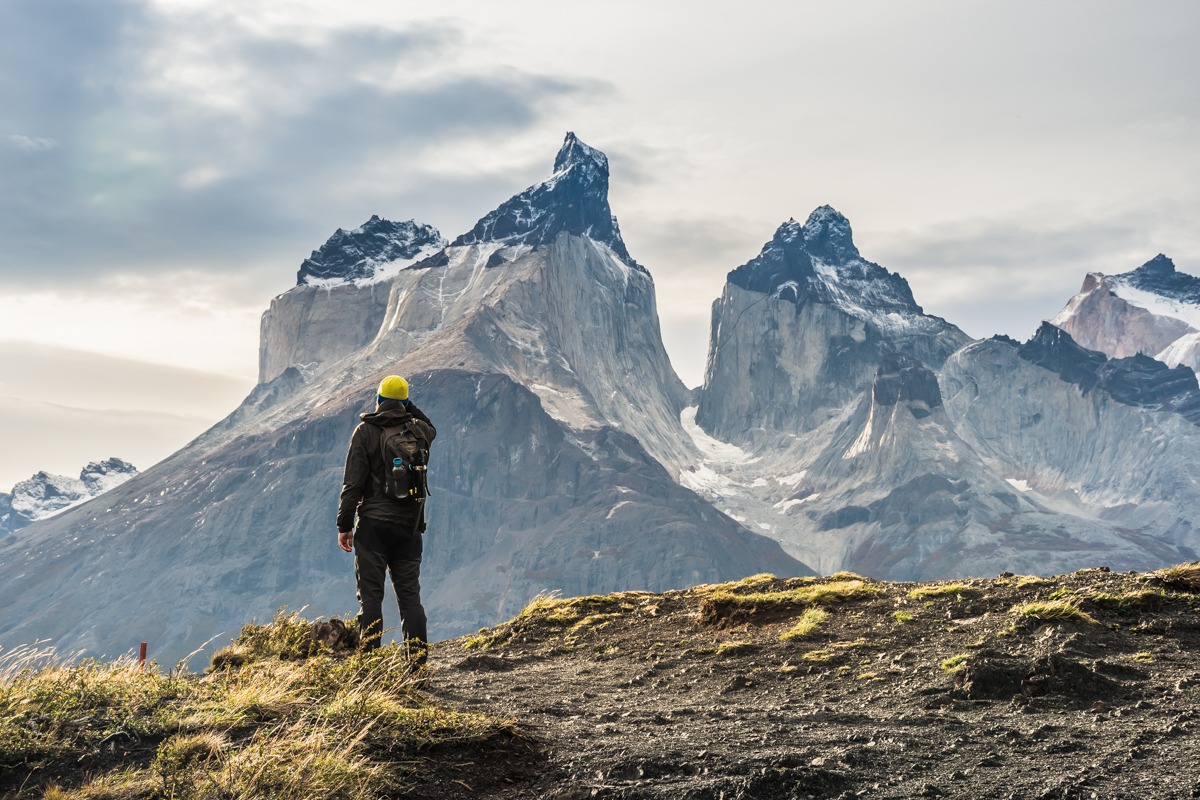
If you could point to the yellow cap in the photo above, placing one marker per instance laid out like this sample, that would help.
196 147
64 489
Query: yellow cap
393 387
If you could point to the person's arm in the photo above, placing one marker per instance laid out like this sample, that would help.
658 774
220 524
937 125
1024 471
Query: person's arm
429 431
354 483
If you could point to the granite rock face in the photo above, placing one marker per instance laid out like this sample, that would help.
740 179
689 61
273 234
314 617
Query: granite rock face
341 295
308 327
801 329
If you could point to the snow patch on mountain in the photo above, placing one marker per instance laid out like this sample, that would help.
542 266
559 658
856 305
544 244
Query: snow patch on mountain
1159 304
1184 350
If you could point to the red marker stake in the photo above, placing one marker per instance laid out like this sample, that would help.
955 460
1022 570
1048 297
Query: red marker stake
142 658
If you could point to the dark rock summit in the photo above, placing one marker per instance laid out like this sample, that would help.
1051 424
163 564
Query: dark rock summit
788 267
902 378
1053 349
1134 381
573 200
1158 275
355 255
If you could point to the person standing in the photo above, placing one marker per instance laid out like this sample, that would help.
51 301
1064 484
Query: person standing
390 514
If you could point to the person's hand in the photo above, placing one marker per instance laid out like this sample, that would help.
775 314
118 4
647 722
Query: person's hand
346 540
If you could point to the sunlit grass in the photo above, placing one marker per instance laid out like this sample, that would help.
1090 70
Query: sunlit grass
279 725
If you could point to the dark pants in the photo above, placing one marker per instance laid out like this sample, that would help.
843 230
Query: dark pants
380 547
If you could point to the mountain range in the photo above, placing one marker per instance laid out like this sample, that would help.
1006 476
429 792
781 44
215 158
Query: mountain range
43 495
839 427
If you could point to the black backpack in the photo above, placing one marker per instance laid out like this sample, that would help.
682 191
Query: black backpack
405 461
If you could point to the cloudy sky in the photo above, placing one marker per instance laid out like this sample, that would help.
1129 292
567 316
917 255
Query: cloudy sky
165 165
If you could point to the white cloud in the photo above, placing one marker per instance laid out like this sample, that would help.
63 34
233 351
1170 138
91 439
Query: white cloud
61 407
31 144
184 319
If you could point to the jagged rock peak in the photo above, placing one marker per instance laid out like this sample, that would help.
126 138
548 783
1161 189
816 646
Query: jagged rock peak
1053 348
1134 381
363 254
818 260
828 236
1159 275
573 200
903 379
100 476
575 153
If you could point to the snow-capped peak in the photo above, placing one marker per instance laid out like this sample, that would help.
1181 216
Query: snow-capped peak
818 260
827 235
572 200
44 495
1159 276
575 153
374 251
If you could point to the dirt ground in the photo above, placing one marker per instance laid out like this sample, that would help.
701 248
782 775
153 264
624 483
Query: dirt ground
963 692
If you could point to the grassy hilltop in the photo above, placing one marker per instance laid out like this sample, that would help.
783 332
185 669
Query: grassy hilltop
1080 685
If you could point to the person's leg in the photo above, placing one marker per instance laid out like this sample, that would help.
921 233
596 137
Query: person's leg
405 565
370 566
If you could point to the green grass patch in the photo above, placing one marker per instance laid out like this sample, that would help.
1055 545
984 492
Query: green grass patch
747 584
959 590
717 607
954 663
567 610
1051 611
1143 657
807 625
902 617
734 648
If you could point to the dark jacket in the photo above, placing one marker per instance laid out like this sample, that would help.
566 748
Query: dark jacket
362 485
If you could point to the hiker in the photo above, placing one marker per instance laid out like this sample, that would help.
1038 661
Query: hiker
384 486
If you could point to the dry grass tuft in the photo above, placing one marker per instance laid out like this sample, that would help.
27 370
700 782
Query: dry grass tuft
734 648
1051 611
959 590
324 726
807 625
1185 577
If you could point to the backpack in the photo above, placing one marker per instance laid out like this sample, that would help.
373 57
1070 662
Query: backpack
405 461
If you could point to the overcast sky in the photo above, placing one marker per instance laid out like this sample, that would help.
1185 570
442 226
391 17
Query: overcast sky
165 165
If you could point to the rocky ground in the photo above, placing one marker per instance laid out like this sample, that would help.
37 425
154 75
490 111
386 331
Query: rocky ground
1081 685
